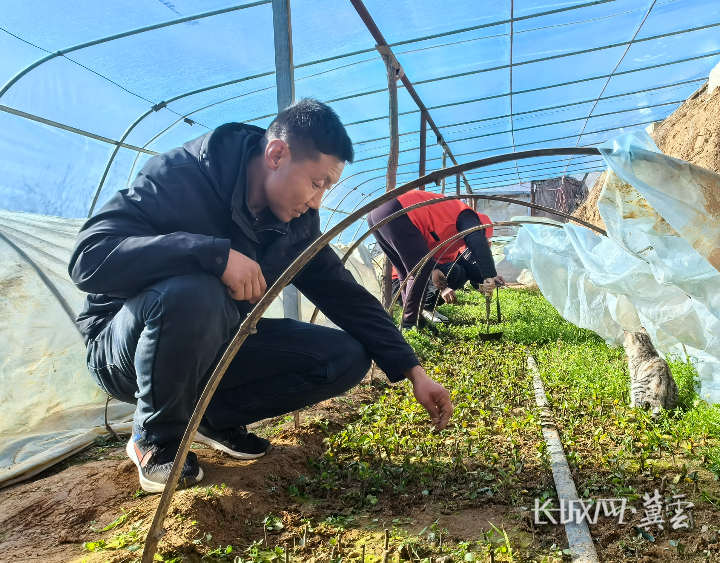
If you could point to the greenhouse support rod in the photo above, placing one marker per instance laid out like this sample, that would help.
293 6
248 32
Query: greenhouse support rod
515 130
45 279
122 35
579 539
458 31
444 165
532 111
549 140
51 123
284 71
155 108
285 89
347 194
370 194
538 88
380 40
248 326
112 158
544 59
393 71
570 54
607 82
503 184
423 145
593 153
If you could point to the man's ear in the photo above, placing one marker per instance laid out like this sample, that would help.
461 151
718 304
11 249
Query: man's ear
276 151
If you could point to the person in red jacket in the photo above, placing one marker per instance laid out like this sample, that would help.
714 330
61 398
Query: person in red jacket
407 239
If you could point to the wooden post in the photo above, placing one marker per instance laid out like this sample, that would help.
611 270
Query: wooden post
423 144
393 70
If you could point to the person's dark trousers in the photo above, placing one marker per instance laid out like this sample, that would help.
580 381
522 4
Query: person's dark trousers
160 348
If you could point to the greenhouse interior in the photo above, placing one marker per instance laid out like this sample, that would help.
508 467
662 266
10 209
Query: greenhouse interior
212 219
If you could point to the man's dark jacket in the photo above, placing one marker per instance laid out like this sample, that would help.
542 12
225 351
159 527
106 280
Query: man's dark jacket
182 215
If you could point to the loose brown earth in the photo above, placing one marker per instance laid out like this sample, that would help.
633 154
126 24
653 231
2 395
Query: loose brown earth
691 133
49 518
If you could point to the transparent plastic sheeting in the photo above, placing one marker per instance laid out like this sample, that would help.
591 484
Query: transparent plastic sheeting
51 408
159 73
655 268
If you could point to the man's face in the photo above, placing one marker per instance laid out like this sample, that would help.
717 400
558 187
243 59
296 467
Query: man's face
293 186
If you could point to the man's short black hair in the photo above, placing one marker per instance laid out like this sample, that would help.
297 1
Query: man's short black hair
308 126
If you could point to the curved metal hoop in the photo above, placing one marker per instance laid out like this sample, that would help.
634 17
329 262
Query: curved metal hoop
248 326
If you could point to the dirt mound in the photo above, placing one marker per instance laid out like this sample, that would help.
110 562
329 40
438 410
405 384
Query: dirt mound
588 211
691 133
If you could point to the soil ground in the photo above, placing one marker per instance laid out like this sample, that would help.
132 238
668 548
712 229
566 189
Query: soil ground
51 517
691 133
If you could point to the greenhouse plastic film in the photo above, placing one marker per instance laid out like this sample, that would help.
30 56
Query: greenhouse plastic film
655 267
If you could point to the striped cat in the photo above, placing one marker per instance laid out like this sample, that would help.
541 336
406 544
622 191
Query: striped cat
651 382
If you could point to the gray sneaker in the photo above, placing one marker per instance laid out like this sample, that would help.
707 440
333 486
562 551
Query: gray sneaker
155 462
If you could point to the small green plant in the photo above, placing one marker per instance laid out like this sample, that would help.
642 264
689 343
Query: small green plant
273 523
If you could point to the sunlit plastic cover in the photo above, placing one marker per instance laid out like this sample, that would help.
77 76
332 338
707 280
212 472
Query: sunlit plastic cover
496 76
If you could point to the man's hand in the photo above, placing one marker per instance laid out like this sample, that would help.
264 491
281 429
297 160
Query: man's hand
243 278
431 395
448 295
489 284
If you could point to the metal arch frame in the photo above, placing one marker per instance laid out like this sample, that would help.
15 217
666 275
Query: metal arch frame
182 117
151 110
122 35
607 82
538 126
467 196
336 210
426 117
458 31
248 326
537 89
81 132
557 85
548 108
539 110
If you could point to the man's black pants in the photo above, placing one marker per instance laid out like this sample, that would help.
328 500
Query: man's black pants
160 348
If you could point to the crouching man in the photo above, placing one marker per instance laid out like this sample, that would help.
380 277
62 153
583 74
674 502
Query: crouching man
174 264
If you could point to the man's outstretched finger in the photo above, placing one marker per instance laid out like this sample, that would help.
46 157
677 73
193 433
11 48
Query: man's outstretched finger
445 409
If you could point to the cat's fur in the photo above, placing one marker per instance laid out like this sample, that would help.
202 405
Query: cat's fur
651 382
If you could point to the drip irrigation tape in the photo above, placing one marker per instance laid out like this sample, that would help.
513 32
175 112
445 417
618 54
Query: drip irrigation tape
578 535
